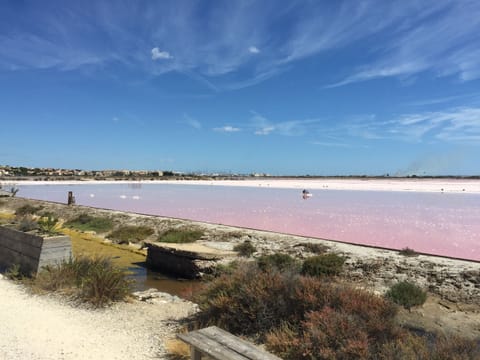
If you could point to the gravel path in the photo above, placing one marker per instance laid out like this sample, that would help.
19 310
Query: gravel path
41 327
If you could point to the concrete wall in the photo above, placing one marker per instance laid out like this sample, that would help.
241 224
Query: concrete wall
32 252
185 264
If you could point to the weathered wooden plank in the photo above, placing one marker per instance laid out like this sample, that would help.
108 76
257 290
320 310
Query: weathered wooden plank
222 345
30 239
210 346
236 344
31 251
20 247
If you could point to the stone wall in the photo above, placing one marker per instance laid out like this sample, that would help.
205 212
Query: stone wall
32 252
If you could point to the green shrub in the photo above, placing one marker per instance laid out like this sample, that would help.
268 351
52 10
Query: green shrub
91 280
85 222
126 234
180 236
315 248
406 294
245 249
326 264
14 272
27 223
48 225
27 209
277 261
408 252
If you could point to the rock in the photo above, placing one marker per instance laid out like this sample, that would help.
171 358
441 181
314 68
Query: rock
151 294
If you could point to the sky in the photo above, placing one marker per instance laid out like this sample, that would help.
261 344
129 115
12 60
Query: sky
278 87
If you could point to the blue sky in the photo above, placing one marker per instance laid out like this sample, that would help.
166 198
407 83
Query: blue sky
282 87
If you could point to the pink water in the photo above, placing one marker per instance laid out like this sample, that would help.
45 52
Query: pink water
443 224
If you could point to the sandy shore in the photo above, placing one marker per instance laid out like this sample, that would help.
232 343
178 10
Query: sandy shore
42 327
419 185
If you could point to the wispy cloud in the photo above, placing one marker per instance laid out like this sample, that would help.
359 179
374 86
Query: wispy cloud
210 43
157 54
227 129
460 124
263 126
441 41
331 144
190 121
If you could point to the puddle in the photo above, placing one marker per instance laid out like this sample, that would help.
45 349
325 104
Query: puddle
133 262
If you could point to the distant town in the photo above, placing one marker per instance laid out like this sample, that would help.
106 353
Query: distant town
45 174
9 173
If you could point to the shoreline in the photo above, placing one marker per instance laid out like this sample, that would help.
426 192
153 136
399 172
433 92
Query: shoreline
468 186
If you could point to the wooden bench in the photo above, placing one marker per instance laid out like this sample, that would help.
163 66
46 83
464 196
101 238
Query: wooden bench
221 345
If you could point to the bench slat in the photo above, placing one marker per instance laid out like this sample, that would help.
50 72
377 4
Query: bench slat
222 345
210 347
239 345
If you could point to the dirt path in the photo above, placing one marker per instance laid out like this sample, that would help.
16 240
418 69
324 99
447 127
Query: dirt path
39 327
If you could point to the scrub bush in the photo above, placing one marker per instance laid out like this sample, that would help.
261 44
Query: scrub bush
130 233
27 209
27 223
254 301
408 252
406 294
180 236
85 222
245 249
315 248
92 280
326 264
276 261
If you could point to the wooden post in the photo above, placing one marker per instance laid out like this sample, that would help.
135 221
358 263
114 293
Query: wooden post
195 354
71 198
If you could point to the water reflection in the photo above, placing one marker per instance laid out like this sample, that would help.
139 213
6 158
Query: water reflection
145 278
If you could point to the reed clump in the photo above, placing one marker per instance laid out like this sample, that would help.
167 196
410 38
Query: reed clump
90 280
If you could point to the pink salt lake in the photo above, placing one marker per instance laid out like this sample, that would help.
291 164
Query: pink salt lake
446 224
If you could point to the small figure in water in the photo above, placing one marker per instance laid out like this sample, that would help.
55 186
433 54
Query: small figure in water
306 194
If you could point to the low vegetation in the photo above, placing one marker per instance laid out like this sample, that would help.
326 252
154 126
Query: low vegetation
304 317
408 252
28 209
86 222
245 249
180 236
277 261
325 264
134 234
91 280
27 223
315 248
406 294
48 225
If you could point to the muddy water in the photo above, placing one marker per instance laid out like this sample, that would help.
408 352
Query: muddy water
133 262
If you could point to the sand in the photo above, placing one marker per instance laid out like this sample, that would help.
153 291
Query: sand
43 327
366 184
